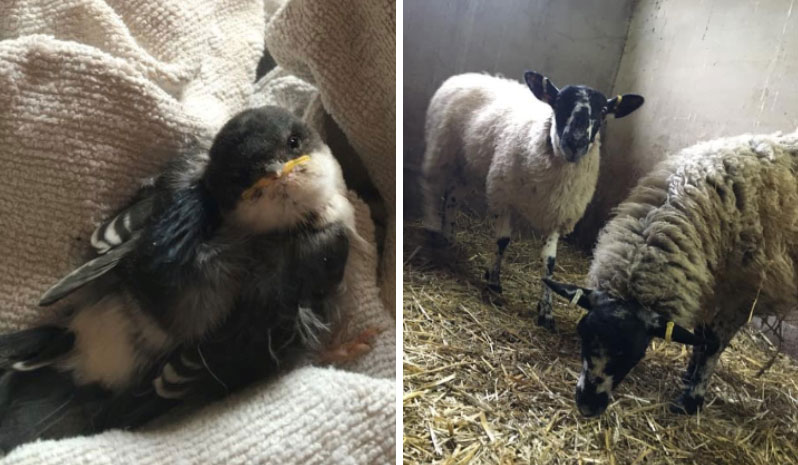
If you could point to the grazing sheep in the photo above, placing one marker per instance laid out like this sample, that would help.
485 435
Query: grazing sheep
537 158
709 238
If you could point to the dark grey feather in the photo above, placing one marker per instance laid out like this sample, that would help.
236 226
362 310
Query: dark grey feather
291 277
29 343
88 272
121 227
55 349
45 404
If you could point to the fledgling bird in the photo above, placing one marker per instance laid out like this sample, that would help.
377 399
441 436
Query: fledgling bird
219 273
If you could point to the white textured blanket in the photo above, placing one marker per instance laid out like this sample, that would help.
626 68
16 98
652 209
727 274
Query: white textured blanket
96 94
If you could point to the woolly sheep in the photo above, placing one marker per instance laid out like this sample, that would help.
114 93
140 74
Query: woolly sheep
535 158
705 240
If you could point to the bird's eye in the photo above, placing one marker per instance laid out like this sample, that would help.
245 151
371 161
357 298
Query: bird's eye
293 142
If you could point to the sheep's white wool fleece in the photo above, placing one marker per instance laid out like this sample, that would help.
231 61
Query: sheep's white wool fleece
709 228
95 95
501 132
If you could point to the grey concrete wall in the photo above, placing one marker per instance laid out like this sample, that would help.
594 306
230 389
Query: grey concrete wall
571 41
708 68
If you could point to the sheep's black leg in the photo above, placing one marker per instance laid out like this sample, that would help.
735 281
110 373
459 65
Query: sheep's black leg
549 256
452 199
702 364
502 231
705 357
435 182
435 219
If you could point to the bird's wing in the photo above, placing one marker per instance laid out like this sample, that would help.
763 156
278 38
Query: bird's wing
187 374
88 272
121 227
264 333
184 378
257 340
112 241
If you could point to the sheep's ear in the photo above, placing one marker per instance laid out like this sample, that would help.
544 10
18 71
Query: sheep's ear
678 333
622 105
571 292
541 86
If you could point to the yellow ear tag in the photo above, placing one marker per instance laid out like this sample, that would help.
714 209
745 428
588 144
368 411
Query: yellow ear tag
619 98
668 331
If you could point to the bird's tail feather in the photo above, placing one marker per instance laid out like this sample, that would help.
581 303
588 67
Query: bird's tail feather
34 348
43 404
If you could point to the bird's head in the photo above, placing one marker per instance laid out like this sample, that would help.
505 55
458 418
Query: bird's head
268 170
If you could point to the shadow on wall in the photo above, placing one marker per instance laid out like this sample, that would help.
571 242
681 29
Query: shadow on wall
570 41
730 69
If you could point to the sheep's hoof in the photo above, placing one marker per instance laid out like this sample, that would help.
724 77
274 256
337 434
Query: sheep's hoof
491 296
435 239
686 404
547 322
545 319
495 287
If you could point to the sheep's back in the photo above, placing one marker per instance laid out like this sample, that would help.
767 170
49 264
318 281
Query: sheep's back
713 226
474 113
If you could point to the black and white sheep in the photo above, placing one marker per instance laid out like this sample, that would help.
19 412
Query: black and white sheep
533 157
704 241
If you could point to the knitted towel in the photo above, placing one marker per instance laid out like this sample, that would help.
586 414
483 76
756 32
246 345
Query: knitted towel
96 94
314 40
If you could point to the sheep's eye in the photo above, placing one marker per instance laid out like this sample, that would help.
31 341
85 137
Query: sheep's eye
293 142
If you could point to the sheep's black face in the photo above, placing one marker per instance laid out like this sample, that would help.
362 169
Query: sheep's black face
614 336
579 112
613 342
578 115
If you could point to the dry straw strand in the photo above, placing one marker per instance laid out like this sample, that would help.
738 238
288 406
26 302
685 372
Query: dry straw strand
484 384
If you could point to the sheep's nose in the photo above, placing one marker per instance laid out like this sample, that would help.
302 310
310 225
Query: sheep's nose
589 403
588 411
574 149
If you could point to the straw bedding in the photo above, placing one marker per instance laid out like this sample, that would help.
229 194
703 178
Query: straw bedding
484 384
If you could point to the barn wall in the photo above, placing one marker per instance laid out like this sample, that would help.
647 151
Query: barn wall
571 41
707 68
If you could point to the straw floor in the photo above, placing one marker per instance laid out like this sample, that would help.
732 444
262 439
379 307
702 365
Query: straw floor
484 384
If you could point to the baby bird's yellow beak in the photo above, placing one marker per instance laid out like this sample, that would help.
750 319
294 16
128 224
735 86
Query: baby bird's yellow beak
287 167
291 164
